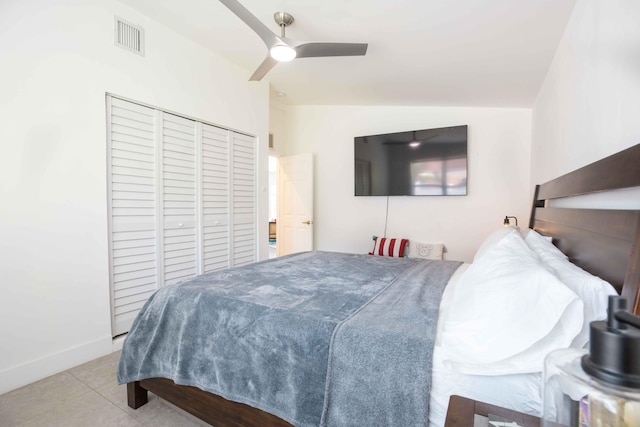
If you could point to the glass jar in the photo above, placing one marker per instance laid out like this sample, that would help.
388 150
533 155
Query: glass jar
572 398
599 387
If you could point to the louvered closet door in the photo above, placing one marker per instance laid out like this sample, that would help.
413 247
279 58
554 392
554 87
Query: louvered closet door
215 198
181 202
179 198
132 203
243 188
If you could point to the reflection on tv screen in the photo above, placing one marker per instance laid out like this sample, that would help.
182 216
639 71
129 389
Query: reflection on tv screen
428 162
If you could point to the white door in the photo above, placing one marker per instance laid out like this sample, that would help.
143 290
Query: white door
181 202
295 204
179 235
133 209
243 205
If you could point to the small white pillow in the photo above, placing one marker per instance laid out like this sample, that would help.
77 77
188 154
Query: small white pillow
543 246
526 231
492 240
426 250
508 312
593 291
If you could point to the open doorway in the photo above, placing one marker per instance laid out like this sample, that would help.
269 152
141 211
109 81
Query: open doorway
290 204
273 205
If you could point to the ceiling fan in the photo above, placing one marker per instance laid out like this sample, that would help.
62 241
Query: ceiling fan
281 48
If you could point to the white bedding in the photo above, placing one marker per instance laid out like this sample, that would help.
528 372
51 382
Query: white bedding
510 277
521 392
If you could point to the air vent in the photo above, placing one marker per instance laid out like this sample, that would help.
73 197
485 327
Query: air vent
129 36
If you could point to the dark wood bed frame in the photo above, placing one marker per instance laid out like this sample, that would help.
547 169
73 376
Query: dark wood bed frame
604 242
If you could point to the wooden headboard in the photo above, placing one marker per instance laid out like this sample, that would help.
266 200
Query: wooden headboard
604 242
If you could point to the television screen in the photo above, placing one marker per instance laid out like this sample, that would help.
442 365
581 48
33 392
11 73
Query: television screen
428 162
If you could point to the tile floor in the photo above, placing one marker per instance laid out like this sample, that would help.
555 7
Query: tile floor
86 396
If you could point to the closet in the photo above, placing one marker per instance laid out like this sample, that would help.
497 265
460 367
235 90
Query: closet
181 202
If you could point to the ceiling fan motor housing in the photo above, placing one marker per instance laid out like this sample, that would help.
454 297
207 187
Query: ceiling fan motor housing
283 19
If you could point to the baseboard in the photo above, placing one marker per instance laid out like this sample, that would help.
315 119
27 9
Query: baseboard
117 342
21 375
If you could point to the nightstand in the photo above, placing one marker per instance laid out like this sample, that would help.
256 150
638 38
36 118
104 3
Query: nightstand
465 412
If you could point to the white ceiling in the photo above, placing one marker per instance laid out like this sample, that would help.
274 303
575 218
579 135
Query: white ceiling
421 52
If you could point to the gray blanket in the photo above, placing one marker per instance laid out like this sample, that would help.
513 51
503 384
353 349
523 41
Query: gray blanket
316 338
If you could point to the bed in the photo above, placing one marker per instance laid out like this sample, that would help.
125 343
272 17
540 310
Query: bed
605 243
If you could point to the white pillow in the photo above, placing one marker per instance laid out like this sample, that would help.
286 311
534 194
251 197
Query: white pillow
508 312
543 245
526 231
426 250
492 240
593 291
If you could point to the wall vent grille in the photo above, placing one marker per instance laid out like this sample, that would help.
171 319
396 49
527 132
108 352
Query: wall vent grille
129 36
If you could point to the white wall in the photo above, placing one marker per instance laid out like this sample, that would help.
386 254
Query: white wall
498 183
589 104
277 125
57 61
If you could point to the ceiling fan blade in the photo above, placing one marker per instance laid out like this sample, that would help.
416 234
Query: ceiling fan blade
264 68
309 50
254 23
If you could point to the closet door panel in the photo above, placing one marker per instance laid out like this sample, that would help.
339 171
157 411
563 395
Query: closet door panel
215 198
132 204
179 198
243 200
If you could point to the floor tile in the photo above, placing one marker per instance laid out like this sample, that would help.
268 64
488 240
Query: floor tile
97 372
90 409
87 395
23 404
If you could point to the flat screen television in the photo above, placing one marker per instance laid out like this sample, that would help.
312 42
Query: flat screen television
427 162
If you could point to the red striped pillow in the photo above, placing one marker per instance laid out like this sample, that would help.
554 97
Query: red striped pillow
389 247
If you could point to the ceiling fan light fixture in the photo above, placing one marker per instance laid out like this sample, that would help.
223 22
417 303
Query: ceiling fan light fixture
282 53
282 49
